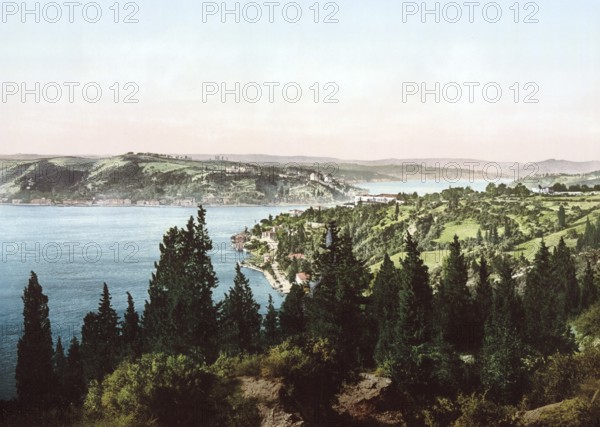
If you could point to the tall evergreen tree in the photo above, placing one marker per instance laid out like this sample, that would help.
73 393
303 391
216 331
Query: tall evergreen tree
508 231
59 362
384 307
34 374
74 384
503 371
544 304
335 310
589 238
419 360
453 301
562 217
495 237
589 289
100 339
479 237
271 324
565 273
483 297
180 316
416 298
240 320
131 331
291 315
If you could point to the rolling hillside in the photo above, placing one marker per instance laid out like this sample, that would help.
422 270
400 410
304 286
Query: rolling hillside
152 178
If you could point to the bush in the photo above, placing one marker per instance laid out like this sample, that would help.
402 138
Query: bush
165 390
571 413
284 360
442 413
588 324
558 379
478 412
237 366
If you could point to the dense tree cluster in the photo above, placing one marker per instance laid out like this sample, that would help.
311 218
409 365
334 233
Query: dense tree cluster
472 328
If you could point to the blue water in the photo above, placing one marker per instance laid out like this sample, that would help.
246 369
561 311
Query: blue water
74 250
428 186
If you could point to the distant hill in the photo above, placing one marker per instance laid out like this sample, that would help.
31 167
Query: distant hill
175 174
159 179
567 167
392 168
590 179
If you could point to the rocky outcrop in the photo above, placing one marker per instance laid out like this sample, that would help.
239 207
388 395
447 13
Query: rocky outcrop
268 394
366 402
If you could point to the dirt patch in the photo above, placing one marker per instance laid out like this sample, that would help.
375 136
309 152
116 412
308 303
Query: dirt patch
268 394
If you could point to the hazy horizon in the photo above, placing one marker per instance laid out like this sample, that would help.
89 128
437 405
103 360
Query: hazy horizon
370 56
304 155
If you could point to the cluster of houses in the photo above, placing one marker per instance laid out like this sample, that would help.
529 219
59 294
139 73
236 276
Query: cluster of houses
550 192
377 199
318 177
272 233
184 202
238 241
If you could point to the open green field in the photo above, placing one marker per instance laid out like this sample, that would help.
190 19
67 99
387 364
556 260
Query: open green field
464 229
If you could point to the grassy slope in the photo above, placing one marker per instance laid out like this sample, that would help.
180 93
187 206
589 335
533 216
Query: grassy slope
468 228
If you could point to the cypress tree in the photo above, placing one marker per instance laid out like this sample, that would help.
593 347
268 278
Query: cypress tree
335 310
131 332
291 314
59 362
589 290
565 273
503 372
562 217
180 316
34 373
240 320
544 304
415 297
100 339
495 237
418 362
589 238
508 231
271 324
384 307
483 297
454 301
74 376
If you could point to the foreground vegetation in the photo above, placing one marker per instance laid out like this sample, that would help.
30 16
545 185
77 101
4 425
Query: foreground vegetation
490 335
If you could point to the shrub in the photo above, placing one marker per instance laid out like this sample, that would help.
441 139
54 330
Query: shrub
558 379
571 413
237 366
442 413
588 324
283 360
478 412
165 390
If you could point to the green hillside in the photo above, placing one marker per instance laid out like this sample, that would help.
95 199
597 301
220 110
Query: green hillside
166 179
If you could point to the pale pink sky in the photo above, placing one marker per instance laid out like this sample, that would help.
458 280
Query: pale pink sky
369 54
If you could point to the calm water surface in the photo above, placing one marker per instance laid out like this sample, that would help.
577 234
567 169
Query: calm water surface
74 250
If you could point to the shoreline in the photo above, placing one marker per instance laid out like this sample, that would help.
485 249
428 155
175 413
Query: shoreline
275 284
290 205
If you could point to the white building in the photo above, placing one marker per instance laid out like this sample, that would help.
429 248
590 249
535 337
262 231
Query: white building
379 198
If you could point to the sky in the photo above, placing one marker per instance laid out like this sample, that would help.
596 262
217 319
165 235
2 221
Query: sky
379 61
